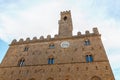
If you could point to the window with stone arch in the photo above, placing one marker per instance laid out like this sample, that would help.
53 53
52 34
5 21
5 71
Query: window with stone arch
95 78
21 62
89 58
87 42
65 18
51 59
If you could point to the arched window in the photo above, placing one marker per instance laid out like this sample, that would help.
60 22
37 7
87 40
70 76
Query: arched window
21 62
95 78
87 42
65 18
50 60
89 58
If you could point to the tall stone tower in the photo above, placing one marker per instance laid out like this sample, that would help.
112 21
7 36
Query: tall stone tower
64 57
65 24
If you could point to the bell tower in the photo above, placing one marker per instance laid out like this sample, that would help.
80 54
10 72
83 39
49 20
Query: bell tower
65 24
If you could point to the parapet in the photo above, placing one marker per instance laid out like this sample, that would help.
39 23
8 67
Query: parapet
79 33
65 12
87 33
41 37
28 39
14 41
34 39
95 30
56 37
21 40
48 37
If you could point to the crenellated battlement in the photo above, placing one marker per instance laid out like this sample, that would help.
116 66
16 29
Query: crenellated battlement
65 12
56 37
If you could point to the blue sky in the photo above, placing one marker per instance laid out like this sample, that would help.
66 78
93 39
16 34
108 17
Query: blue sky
29 18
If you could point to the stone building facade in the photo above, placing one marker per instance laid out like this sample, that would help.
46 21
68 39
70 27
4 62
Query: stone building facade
64 57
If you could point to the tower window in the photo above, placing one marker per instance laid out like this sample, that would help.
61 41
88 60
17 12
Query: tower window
89 58
51 46
21 62
87 42
51 61
65 18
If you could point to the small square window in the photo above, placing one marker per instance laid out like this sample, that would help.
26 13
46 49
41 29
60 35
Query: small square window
21 62
26 48
51 61
89 58
51 46
87 42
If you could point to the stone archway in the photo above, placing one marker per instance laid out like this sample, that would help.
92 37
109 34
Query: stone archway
95 78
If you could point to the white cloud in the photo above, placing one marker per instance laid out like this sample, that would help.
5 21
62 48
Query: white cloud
114 59
110 32
42 19
35 21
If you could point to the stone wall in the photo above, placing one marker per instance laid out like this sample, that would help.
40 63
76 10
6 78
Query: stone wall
64 57
39 52
73 71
